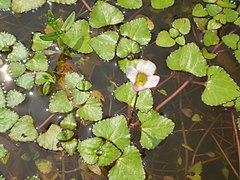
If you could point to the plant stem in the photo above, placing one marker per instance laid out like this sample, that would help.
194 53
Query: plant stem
131 113
87 6
172 96
237 139
199 83
63 166
186 151
46 120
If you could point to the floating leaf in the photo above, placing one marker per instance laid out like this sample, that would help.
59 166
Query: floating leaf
64 1
226 4
3 151
16 69
213 24
73 79
60 103
99 17
188 58
144 101
221 18
237 55
91 110
24 130
7 119
18 53
164 39
25 81
126 47
210 38
43 77
113 129
93 151
20 6
154 128
125 63
196 168
69 122
196 118
162 4
237 22
39 62
15 98
133 4
180 40
208 55
80 97
78 37
182 25
38 43
201 23
5 4
70 147
6 40
199 11
48 140
65 135
105 44
215 93
128 165
209 1
173 32
213 9
44 166
84 85
149 21
2 98
137 30
231 40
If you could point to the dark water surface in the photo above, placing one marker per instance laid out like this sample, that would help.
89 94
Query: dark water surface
212 136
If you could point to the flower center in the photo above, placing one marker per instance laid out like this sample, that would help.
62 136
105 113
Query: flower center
141 79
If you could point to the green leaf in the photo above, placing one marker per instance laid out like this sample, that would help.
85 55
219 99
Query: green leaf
237 55
99 17
64 1
113 129
44 166
93 151
128 165
213 24
38 43
65 135
226 4
80 97
6 40
126 47
43 77
3 152
18 53
5 4
188 58
215 93
162 4
180 40
39 62
125 63
201 23
70 147
210 38
199 11
231 40
7 119
84 85
73 79
173 32
91 110
237 22
20 6
208 55
238 123
196 168
213 9
78 37
2 98
164 39
154 128
60 103
15 98
69 122
225 172
25 81
231 15
24 130
16 69
48 140
105 44
221 18
69 22
209 1
126 93
182 25
133 4
51 36
136 30
237 104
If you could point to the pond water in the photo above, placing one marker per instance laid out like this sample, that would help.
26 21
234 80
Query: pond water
212 139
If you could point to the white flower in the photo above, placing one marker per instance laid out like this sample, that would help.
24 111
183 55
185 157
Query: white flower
142 76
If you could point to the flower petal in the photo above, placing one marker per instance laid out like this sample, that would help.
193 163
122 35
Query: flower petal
146 67
152 81
138 88
131 74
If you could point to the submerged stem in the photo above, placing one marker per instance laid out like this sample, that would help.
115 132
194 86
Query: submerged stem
46 120
132 110
87 6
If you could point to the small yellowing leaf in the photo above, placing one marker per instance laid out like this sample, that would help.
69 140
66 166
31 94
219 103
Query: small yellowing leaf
149 21
196 118
187 112
179 160
163 92
187 147
211 154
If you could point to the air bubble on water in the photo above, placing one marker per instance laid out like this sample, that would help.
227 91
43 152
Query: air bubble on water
30 93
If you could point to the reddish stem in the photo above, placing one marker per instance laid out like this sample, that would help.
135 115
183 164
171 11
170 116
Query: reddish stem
173 95
46 120
87 6
199 83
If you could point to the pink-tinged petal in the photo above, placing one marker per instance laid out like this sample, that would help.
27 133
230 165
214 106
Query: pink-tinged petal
146 67
138 88
131 74
152 81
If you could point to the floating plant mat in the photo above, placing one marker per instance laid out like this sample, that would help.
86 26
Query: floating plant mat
119 89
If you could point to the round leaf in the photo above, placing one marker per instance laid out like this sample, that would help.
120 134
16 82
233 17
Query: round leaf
20 6
73 79
39 62
126 47
164 39
182 25
80 97
231 40
69 122
15 98
199 11
7 119
18 53
16 69
70 147
25 81
133 4
162 4
6 40
210 38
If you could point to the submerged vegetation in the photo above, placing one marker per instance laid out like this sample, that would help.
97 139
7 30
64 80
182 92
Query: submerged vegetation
118 143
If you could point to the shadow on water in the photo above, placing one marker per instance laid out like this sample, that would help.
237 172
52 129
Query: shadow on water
209 139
